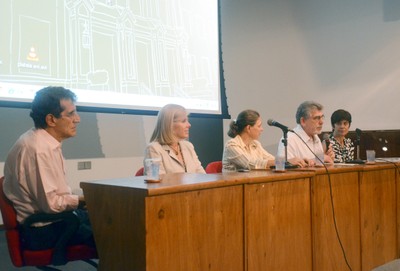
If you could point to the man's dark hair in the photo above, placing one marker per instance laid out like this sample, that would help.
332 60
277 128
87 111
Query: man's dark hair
47 101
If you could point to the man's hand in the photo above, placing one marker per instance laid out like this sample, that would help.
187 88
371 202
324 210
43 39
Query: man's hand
298 162
82 202
310 162
329 155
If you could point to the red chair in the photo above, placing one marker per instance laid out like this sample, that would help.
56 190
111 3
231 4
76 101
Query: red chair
140 172
40 258
214 167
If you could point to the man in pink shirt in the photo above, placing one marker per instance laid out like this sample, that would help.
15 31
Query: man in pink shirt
35 179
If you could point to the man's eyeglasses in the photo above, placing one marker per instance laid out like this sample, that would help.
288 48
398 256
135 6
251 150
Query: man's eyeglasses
70 115
318 118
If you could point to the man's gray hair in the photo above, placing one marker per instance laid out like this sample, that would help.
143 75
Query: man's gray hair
304 110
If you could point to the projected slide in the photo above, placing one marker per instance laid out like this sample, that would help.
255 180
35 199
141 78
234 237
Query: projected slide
133 54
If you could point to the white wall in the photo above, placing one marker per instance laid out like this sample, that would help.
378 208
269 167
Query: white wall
343 54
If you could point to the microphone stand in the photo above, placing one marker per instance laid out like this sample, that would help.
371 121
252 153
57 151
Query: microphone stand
357 160
357 141
285 142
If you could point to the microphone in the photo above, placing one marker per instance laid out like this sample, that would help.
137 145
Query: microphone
272 122
358 136
357 144
358 133
326 139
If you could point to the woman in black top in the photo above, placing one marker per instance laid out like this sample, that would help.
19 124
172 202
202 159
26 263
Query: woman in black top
342 147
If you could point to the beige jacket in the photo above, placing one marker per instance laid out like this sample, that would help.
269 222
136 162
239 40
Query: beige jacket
169 161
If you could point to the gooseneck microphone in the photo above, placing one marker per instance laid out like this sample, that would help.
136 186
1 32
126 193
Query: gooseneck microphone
285 131
272 122
358 140
358 133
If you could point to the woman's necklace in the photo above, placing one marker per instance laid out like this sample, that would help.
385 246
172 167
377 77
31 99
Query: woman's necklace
184 164
176 150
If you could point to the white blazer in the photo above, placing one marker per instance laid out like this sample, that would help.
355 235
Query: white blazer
169 161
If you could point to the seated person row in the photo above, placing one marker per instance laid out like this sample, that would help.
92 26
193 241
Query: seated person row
169 142
244 151
304 141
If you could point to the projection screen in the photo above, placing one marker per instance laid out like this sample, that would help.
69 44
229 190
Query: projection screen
131 56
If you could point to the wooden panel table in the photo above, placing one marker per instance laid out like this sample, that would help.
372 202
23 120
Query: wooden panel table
252 221
337 196
378 203
364 200
278 224
187 222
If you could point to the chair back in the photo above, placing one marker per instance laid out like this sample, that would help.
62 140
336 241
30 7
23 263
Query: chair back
140 172
11 227
21 257
214 167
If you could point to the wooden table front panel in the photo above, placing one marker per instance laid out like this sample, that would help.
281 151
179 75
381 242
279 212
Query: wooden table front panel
199 230
117 218
378 217
397 174
278 225
327 251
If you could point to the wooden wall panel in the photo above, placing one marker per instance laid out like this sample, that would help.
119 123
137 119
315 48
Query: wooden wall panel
117 217
378 217
278 225
328 255
199 230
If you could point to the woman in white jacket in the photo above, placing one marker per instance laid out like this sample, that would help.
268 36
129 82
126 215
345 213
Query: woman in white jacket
169 142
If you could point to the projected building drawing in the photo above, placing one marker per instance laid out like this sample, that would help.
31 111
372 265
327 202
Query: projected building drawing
136 47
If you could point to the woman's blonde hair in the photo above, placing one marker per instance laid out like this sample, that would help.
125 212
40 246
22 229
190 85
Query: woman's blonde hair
163 132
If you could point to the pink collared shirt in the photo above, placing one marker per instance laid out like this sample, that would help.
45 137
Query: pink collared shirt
35 178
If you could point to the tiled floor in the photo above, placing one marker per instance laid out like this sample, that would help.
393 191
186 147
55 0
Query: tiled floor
390 266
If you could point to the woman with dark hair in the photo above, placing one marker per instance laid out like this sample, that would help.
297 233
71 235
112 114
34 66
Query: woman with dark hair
244 151
342 147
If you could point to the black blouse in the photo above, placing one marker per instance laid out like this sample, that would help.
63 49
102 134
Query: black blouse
342 154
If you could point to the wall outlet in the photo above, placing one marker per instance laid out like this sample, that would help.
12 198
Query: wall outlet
84 165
